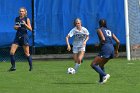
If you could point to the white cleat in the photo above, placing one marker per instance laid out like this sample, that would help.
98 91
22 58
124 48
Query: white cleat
105 78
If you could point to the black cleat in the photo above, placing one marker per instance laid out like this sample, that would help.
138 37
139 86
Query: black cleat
82 61
12 69
30 69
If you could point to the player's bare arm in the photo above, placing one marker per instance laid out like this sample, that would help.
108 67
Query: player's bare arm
28 25
67 42
117 44
101 36
87 38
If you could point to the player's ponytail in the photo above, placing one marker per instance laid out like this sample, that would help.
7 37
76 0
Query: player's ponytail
102 23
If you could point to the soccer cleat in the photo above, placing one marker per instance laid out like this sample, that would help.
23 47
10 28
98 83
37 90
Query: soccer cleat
101 83
82 61
105 78
12 69
30 69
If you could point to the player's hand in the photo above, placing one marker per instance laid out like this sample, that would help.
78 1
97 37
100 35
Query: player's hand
97 44
68 48
116 54
24 22
16 27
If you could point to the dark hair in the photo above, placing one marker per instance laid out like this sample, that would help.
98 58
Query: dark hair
102 23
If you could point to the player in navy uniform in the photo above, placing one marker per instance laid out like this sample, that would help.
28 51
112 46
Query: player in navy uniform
22 24
107 50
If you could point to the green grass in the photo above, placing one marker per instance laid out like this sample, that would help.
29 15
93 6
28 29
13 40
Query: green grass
50 77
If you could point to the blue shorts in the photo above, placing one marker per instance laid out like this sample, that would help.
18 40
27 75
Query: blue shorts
23 40
107 51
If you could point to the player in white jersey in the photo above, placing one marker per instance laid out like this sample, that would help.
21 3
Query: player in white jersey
81 36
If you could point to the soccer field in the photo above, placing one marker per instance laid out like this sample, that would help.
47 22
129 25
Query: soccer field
50 77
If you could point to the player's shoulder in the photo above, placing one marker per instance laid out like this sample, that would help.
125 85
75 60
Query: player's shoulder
73 29
26 18
102 29
84 28
17 17
99 29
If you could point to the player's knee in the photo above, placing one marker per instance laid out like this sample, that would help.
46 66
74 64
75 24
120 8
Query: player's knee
101 65
79 60
27 54
12 52
93 65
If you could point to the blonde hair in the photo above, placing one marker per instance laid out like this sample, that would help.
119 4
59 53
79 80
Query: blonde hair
24 10
77 19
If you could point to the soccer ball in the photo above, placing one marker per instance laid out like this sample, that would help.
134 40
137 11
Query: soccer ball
71 70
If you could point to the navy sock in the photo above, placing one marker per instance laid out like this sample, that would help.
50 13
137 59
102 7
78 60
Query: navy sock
101 77
82 60
12 61
98 70
29 58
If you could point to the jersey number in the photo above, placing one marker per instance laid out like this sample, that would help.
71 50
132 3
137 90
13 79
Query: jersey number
108 32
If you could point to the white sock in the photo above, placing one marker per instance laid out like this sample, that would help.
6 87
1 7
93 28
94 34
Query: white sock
76 66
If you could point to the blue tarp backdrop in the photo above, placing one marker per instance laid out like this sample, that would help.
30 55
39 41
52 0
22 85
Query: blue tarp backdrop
53 19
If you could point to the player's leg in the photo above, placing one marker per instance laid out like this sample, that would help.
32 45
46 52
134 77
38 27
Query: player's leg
108 54
95 65
79 59
101 77
29 58
82 49
12 58
101 65
80 56
75 57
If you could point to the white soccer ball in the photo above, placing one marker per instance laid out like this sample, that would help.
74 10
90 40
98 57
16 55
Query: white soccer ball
71 70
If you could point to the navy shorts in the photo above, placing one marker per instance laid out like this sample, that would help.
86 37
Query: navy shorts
107 51
23 40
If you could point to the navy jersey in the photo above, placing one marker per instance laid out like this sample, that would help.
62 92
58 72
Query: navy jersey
108 35
107 48
22 30
21 37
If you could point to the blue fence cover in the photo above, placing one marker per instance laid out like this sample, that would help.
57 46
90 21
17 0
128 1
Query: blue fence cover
54 19
8 11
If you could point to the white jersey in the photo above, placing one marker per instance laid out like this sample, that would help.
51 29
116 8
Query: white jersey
79 36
